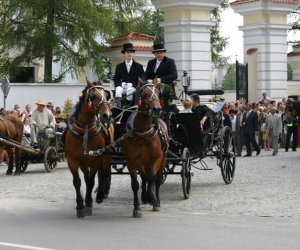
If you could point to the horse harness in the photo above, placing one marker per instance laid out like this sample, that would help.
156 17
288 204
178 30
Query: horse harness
86 131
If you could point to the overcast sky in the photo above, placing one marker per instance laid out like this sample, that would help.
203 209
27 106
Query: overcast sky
229 28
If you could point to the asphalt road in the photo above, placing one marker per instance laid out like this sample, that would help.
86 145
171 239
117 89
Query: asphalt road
259 210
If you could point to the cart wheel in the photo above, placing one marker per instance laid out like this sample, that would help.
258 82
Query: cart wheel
24 165
164 176
50 158
227 155
186 173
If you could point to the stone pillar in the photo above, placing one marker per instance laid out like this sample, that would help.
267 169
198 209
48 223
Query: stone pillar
187 37
265 29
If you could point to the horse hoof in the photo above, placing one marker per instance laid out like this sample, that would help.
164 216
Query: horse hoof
88 211
99 200
9 172
81 213
137 213
17 173
156 209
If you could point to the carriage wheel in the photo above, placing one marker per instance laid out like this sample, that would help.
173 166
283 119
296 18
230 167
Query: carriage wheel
227 155
24 165
186 173
50 158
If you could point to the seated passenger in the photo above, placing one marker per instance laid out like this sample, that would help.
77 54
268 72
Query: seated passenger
187 106
42 119
202 110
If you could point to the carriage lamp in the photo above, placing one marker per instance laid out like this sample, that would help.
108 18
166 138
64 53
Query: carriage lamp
186 83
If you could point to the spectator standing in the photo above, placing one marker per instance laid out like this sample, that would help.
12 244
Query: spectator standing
250 122
232 116
291 122
273 128
240 128
126 76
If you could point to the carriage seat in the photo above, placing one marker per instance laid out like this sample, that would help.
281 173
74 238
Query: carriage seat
188 125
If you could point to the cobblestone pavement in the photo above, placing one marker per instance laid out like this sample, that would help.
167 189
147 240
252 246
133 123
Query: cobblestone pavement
264 186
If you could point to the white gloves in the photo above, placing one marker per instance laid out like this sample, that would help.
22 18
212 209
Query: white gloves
124 84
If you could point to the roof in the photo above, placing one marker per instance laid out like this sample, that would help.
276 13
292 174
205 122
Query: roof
134 36
272 1
251 51
137 48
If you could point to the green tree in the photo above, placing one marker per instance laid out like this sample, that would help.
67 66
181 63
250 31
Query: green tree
58 30
229 82
218 43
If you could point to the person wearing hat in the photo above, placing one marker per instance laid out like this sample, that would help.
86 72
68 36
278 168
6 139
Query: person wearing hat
41 119
126 76
50 106
164 70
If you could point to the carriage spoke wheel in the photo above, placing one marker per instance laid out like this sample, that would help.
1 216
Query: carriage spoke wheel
227 155
186 173
50 158
24 165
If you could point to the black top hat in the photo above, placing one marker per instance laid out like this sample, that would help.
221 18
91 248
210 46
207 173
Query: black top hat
127 47
158 47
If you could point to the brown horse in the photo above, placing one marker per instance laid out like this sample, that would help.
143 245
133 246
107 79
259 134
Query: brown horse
89 128
11 128
145 148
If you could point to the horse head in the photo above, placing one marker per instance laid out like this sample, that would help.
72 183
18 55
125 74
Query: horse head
97 101
149 94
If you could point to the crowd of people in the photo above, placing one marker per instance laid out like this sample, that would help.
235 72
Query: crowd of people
255 126
44 117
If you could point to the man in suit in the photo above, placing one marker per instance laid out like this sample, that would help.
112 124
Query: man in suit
250 122
164 71
240 129
126 76
273 128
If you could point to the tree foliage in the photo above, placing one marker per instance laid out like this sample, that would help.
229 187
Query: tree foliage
229 82
58 30
218 43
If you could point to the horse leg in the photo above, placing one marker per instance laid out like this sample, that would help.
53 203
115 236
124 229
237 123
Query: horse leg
17 161
157 184
79 200
144 196
104 180
151 187
10 162
90 182
137 213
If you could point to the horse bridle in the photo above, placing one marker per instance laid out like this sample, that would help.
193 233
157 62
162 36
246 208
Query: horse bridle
101 91
153 96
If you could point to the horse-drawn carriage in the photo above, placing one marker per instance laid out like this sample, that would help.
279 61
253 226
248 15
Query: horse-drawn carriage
49 148
188 144
139 143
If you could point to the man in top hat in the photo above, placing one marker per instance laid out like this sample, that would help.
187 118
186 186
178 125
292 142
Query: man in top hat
41 119
164 70
126 75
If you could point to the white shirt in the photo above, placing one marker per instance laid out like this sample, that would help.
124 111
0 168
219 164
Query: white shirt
128 65
157 65
233 123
